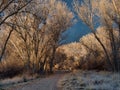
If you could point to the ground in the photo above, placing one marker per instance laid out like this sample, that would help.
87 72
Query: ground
77 80
91 80
49 83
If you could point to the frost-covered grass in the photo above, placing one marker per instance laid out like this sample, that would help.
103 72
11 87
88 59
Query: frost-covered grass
90 80
16 80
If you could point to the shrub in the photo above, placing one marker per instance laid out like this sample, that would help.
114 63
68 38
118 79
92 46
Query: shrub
10 68
88 53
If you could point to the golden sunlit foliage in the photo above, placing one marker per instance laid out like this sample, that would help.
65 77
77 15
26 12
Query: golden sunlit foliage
36 33
104 13
87 54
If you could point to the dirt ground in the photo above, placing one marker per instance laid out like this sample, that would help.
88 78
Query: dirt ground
49 83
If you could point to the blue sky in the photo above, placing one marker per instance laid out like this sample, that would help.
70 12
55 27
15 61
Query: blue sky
75 32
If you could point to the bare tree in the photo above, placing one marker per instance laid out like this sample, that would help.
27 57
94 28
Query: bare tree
37 31
105 13
9 8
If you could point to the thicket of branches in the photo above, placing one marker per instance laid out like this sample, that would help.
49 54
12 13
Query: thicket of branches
87 54
30 31
33 34
103 13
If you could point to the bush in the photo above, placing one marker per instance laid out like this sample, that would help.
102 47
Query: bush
88 53
10 68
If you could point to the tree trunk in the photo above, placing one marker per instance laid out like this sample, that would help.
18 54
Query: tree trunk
41 70
52 59
4 48
115 62
106 53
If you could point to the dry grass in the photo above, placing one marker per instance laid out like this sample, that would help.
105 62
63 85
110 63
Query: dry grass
18 79
91 80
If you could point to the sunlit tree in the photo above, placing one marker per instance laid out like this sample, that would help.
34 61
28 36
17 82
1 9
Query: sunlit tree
103 13
37 31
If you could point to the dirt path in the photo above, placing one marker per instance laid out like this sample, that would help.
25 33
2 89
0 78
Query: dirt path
49 83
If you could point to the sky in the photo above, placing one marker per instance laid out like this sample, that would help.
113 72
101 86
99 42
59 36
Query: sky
75 32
